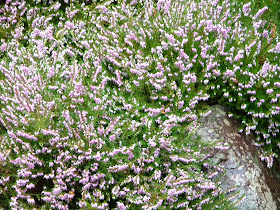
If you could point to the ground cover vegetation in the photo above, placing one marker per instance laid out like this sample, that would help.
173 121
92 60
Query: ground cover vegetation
99 99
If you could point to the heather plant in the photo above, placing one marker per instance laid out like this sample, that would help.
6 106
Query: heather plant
99 100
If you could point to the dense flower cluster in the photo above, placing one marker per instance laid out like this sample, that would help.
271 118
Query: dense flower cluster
97 99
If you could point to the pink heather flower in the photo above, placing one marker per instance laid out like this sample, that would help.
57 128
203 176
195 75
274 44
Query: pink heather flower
22 182
238 57
167 110
229 73
128 42
203 52
82 204
53 87
157 86
180 104
265 69
229 59
101 130
252 99
180 32
277 84
243 106
70 52
111 126
174 158
184 204
102 8
248 50
207 186
159 50
204 201
197 39
56 6
118 168
12 135
209 25
184 160
119 78
143 44
112 137
170 38
113 53
253 92
276 49
246 9
133 37
183 55
26 135
222 147
274 100
259 104
3 47
25 70
69 25
2 158
159 4
102 38
257 25
167 6
121 206
85 44
164 98
152 143
14 202
31 201
180 65
268 159
193 78
265 33
269 91
216 72
18 32
127 106
49 132
260 12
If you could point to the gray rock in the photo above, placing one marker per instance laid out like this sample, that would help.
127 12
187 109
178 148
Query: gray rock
244 170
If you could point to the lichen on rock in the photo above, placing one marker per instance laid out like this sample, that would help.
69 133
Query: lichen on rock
245 172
